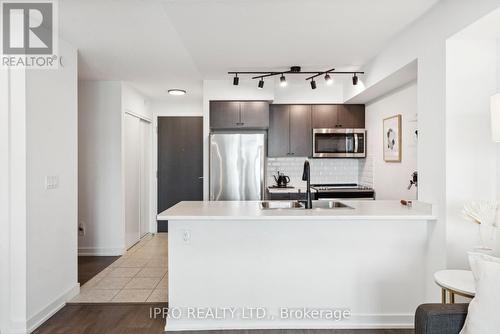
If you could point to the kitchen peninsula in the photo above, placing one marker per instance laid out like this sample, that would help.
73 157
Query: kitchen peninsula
368 258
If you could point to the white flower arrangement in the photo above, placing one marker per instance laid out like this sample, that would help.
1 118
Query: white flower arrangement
483 213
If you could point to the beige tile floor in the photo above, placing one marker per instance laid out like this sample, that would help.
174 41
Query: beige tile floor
139 276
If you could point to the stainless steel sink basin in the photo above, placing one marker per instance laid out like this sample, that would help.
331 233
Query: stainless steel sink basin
329 205
273 205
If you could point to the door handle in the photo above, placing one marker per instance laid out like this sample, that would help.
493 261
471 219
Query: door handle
200 177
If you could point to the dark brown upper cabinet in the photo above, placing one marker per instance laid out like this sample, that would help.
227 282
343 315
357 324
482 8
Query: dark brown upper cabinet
278 139
351 115
290 131
239 114
338 116
300 130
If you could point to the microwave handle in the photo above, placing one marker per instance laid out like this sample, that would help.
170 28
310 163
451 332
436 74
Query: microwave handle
355 143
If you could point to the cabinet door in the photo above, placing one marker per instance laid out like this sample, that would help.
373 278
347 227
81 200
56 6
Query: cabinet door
254 114
324 116
278 142
224 114
351 115
300 131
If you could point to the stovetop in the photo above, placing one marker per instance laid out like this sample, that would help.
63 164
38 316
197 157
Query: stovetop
340 187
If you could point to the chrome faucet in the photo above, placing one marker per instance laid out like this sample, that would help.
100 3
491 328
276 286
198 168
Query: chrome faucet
306 176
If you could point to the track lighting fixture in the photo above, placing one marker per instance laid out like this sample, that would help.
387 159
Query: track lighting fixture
355 79
295 70
283 82
328 79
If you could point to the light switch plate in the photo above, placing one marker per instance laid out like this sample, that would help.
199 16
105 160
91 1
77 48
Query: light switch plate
51 182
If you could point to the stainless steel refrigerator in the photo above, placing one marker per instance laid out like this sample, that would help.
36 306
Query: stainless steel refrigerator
237 166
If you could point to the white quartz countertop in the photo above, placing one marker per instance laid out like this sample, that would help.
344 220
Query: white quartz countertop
250 210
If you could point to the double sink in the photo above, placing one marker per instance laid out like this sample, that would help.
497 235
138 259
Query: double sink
294 205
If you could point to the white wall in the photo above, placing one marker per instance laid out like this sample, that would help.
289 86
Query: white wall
176 106
51 128
425 40
470 153
4 200
13 279
391 179
134 102
102 105
99 163
38 258
498 144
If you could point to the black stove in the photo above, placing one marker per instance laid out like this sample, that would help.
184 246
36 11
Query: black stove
343 190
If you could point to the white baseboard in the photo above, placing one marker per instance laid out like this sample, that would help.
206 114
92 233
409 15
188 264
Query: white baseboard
360 321
35 321
96 251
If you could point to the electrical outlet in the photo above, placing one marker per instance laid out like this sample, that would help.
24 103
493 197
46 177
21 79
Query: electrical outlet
51 182
81 229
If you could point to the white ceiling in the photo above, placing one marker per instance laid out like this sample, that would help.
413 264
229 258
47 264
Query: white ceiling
162 44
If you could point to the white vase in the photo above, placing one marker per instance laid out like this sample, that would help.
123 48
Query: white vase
487 238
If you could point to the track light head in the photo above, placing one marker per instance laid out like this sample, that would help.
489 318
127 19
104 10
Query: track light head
313 84
261 83
283 82
328 79
236 80
355 79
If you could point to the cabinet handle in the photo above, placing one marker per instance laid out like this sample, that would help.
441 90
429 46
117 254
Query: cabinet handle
291 153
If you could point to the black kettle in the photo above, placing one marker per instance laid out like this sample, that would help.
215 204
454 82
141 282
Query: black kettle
282 180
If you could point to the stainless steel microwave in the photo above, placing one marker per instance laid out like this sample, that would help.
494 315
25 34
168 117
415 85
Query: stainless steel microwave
339 143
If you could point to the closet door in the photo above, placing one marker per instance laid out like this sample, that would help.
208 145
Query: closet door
145 175
132 170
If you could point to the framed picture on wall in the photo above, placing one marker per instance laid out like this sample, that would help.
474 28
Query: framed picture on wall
392 139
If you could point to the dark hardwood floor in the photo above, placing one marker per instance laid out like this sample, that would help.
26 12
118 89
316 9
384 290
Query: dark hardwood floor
89 266
135 318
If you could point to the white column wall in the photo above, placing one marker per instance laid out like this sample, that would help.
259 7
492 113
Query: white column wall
13 280
52 150
470 153
425 40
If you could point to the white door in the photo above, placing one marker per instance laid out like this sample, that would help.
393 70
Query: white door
132 155
145 176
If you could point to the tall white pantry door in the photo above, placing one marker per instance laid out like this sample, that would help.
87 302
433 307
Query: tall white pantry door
137 158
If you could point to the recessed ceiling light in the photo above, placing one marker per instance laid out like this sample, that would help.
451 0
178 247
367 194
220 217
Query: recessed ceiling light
176 91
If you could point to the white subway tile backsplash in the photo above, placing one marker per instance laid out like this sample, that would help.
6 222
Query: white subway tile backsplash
322 170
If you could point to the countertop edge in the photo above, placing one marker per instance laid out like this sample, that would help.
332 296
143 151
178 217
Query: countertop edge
300 218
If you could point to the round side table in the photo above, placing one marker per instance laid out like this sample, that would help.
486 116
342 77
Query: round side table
455 282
